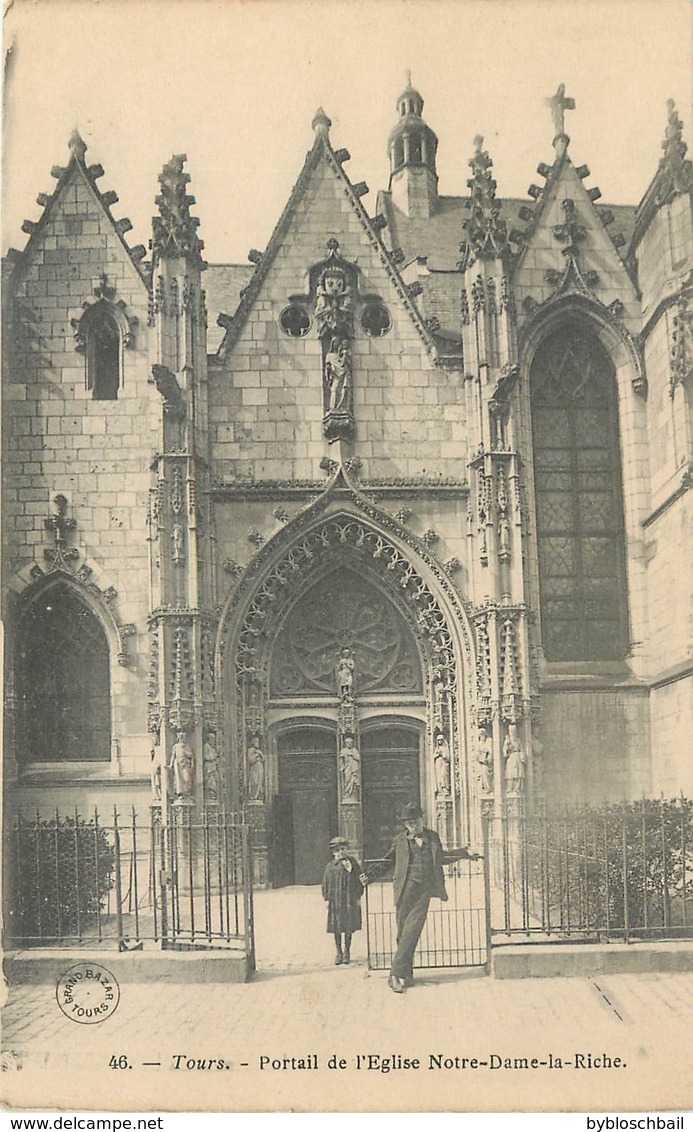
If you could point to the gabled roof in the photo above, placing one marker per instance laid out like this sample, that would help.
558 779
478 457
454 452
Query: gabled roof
321 151
89 173
606 214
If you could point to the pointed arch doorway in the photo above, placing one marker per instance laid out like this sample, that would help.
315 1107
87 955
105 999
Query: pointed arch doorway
345 592
342 610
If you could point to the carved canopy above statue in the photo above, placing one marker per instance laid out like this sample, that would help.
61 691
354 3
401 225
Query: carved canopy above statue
344 611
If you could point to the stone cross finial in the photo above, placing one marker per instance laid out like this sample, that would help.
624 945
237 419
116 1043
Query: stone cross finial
558 104
321 123
77 145
59 524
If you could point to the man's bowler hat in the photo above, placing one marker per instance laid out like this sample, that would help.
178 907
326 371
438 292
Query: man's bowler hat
410 812
337 841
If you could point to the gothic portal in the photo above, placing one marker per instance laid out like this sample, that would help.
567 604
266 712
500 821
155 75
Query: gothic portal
345 689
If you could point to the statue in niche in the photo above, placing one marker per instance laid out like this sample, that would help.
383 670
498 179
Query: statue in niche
337 370
484 761
210 763
177 552
256 770
346 666
504 538
441 763
499 405
333 303
183 768
515 760
350 765
158 770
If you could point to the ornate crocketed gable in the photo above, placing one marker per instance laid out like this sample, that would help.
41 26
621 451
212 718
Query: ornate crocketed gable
90 174
321 151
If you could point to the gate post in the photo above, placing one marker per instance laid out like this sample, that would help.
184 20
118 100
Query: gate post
485 819
248 910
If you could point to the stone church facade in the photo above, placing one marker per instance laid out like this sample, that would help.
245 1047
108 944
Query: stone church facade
398 510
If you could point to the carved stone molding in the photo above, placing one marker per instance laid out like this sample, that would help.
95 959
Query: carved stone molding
681 363
103 303
174 230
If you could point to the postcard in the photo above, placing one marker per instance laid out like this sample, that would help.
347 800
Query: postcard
347 459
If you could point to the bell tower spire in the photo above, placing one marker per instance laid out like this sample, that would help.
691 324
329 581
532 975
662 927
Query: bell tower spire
412 149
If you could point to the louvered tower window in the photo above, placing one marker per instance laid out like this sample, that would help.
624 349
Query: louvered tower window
577 474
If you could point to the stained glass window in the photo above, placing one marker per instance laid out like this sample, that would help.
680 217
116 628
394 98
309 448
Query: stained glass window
577 475
63 682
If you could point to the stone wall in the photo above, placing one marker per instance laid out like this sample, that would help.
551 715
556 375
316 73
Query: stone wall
595 744
266 404
59 440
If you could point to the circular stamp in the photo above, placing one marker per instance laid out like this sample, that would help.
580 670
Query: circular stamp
87 993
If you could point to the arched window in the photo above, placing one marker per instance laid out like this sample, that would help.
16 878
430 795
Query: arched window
62 681
577 475
104 341
415 148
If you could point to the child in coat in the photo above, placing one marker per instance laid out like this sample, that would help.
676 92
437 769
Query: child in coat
342 888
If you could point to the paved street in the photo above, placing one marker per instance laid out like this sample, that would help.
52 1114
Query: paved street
301 1006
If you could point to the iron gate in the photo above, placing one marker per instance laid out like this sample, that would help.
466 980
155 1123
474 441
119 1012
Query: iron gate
181 884
456 933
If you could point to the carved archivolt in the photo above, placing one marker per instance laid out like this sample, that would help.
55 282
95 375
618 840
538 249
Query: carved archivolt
336 537
322 547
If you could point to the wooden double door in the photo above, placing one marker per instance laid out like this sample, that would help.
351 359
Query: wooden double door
305 812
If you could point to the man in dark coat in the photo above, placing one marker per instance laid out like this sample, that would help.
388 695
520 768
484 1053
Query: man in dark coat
418 857
342 888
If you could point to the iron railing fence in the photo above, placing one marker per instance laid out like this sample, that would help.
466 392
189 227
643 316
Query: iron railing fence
619 871
456 932
181 882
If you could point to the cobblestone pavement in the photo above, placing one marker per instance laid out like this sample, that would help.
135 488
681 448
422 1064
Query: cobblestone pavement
300 1006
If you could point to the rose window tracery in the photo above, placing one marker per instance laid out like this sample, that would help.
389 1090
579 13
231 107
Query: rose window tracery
344 611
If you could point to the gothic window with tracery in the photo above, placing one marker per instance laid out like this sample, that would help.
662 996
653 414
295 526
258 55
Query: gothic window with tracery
577 474
103 341
344 611
62 682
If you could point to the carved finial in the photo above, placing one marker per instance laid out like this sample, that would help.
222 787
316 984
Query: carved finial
408 76
558 104
485 231
174 231
58 523
321 123
77 146
678 171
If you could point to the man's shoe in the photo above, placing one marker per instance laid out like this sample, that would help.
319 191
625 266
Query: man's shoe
339 958
396 984
346 958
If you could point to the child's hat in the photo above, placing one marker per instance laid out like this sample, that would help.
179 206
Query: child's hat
337 842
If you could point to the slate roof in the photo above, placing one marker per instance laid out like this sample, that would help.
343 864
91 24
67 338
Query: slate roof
436 239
